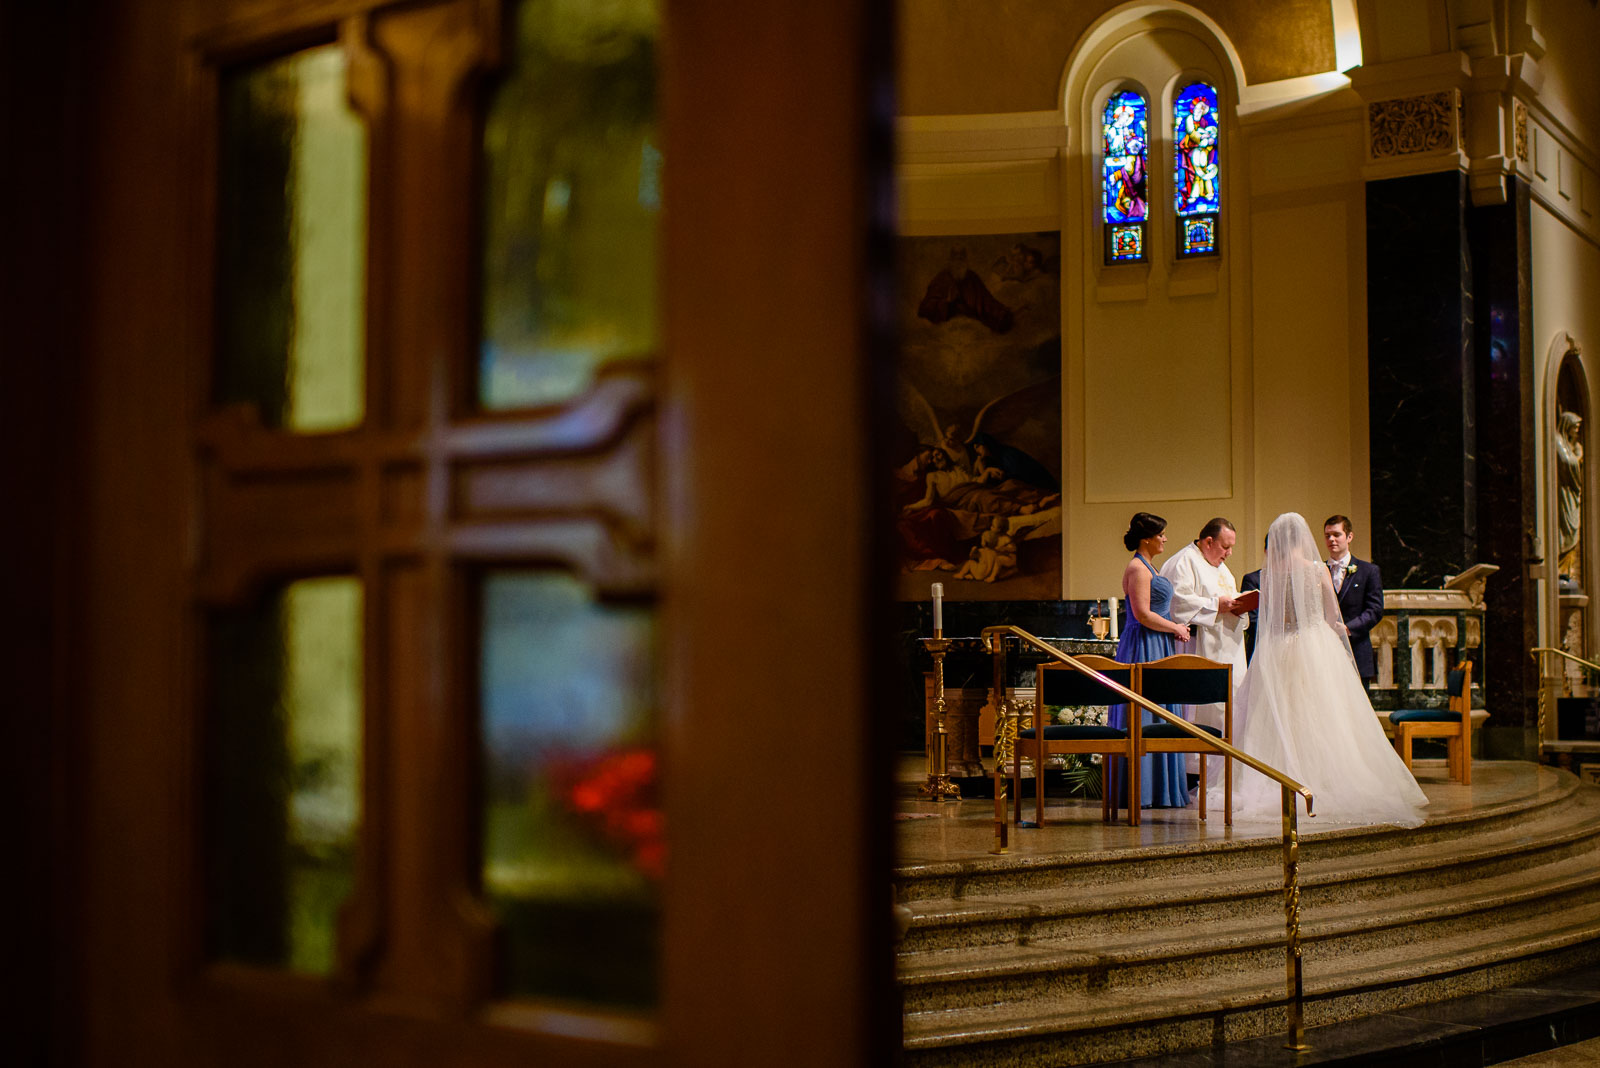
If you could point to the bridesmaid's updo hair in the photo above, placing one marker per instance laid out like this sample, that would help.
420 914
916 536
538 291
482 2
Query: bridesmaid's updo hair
1143 525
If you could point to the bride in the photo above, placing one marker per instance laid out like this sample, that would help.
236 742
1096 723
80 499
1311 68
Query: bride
1302 706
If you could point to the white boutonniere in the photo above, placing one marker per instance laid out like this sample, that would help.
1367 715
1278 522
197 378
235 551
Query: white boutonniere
1349 569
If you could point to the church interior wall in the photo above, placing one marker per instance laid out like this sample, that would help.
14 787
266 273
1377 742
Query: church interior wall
1566 278
960 58
1570 89
1190 389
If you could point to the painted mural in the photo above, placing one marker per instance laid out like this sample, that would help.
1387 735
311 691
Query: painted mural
978 431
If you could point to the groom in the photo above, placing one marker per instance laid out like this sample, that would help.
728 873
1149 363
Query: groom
1359 588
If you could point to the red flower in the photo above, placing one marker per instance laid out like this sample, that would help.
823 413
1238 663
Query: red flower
614 793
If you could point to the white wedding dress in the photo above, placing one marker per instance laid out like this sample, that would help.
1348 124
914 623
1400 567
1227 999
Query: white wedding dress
1302 708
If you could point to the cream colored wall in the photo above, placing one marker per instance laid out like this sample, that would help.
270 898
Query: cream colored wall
1193 389
1570 92
1566 297
957 57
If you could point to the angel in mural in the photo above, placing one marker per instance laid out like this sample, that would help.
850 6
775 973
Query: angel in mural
953 487
977 449
994 557
973 483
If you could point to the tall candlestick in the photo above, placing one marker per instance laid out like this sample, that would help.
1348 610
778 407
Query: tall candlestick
938 609
1113 603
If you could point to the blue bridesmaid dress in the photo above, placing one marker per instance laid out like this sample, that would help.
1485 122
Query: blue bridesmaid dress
1163 782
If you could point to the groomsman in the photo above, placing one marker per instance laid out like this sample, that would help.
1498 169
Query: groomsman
1251 581
1359 588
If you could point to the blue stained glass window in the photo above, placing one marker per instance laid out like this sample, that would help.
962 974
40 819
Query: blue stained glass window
1125 132
1196 178
1199 235
1127 242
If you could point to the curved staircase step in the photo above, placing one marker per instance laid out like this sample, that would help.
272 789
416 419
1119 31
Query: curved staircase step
1120 952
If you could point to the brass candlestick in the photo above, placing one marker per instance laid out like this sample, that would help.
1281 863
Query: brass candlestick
938 787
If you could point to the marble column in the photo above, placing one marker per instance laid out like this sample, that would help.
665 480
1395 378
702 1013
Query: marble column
1499 240
1450 396
1421 389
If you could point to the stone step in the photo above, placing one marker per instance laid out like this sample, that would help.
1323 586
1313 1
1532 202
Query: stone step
1246 848
1110 1023
1210 952
1165 903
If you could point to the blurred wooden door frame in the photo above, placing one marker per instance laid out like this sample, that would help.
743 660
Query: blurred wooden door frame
776 946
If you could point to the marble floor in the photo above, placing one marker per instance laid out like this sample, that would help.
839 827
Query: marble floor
927 832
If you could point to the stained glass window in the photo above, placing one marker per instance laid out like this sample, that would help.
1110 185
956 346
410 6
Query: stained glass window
1125 127
572 201
291 257
1196 179
573 840
284 747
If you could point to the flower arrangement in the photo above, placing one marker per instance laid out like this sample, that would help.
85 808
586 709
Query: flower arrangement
1081 771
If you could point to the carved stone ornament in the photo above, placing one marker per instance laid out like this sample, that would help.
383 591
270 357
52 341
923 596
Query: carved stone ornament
1413 124
1521 121
1472 581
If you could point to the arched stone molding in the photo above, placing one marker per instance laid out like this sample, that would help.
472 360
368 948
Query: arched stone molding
1569 614
1123 22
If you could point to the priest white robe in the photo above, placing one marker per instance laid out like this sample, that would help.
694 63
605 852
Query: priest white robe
1196 586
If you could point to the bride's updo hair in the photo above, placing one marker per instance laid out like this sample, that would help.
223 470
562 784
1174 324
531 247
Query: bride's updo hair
1143 525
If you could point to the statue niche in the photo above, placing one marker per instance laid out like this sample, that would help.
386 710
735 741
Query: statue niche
1567 486
1569 497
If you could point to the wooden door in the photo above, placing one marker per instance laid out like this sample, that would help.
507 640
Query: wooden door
714 484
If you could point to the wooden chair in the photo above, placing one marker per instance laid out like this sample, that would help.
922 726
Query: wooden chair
1189 680
1454 724
1061 684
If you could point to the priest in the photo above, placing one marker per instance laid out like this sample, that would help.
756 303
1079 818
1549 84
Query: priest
1203 592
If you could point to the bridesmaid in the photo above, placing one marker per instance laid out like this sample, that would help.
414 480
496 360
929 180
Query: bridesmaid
1150 634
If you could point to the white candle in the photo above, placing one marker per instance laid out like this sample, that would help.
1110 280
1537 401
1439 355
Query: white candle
1113 603
938 608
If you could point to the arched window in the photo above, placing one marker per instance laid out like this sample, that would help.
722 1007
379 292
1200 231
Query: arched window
1196 179
1122 186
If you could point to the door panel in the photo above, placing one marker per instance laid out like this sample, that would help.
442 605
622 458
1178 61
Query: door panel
717 484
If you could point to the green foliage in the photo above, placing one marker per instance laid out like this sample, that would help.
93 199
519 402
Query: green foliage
1081 773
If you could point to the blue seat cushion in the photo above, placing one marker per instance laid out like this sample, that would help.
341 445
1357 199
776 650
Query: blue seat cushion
1071 732
1425 715
1167 730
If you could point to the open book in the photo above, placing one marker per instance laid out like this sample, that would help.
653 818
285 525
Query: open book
1248 601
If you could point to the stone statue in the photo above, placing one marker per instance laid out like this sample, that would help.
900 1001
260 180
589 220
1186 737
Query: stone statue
1569 456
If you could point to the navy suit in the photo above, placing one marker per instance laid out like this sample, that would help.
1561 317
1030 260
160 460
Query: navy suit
1251 581
1361 604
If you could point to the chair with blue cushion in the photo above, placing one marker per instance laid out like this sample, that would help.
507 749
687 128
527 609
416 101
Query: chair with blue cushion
1186 679
1061 684
1453 724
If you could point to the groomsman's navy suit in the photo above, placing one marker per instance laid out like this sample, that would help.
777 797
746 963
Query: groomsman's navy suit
1361 604
1251 581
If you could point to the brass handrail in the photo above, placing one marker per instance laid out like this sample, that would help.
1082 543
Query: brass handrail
1590 664
1291 836
1544 691
1237 754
